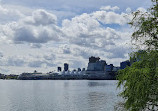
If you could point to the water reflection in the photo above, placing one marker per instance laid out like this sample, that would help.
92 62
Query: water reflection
96 83
66 84
96 100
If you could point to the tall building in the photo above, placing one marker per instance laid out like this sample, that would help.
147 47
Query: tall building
95 64
79 69
59 69
98 69
66 67
83 69
93 59
124 64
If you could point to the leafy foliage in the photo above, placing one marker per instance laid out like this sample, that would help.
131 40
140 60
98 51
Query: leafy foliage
146 26
140 80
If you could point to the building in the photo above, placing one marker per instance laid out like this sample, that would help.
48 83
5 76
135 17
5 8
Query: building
79 69
99 70
95 64
93 59
109 68
2 76
124 64
66 67
115 69
83 69
59 69
35 72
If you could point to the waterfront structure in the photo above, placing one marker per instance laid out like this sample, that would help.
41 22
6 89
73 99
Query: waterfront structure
79 69
35 72
10 76
93 59
95 64
115 69
2 76
98 69
66 67
124 64
109 68
83 69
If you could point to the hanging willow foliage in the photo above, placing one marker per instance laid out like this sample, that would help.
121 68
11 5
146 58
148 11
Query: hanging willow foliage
140 80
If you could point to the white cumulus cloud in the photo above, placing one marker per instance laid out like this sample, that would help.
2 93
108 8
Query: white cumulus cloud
75 40
107 8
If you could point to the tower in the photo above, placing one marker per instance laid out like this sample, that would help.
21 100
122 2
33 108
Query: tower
66 67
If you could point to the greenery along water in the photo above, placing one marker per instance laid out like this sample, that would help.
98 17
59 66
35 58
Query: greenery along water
140 80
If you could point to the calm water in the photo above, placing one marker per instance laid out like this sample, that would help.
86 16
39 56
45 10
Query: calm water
58 95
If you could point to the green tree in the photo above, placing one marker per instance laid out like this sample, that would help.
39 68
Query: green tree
140 80
146 27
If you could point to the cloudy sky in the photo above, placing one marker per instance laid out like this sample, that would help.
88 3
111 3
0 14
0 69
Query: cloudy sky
43 34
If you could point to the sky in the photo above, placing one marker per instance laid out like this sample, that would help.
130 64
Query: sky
44 34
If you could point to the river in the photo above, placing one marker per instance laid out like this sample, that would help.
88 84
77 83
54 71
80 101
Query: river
58 95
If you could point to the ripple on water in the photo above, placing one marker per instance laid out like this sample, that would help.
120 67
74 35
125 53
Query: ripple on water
61 95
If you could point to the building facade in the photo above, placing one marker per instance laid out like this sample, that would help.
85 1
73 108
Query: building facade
124 64
95 64
66 67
